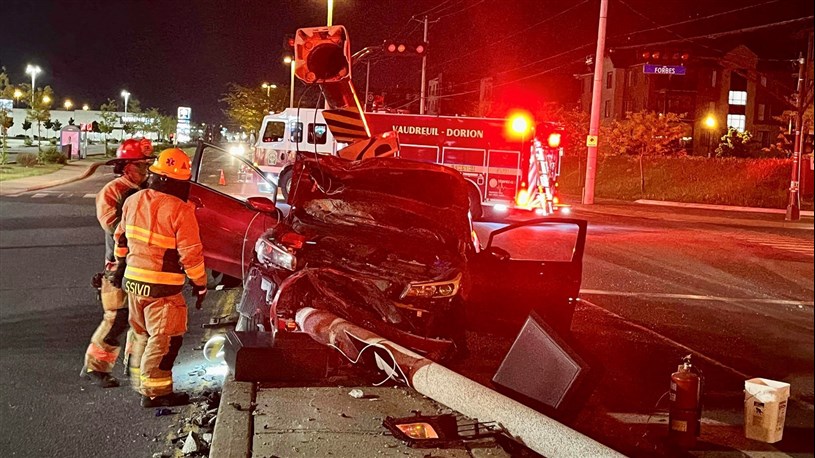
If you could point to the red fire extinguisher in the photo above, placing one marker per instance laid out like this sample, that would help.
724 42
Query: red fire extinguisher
685 406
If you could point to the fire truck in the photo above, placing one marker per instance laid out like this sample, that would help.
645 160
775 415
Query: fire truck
510 164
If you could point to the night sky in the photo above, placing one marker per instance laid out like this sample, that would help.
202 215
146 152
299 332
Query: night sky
183 52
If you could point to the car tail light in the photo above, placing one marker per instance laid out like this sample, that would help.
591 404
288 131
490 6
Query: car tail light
293 240
522 199
554 140
418 430
438 289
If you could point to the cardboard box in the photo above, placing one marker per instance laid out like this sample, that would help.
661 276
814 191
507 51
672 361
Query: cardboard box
765 408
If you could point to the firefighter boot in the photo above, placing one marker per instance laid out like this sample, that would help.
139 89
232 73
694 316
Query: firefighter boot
168 400
100 379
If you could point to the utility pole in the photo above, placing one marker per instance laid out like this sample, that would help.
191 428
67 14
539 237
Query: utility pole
794 203
367 81
424 70
596 96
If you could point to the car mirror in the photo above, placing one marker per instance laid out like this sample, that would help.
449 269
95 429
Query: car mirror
498 253
261 204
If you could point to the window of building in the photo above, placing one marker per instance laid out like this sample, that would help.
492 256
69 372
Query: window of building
609 80
713 79
588 87
607 109
627 107
737 121
761 109
737 98
764 81
317 134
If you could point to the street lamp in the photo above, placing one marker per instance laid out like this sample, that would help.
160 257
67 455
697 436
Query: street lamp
710 124
268 86
17 94
46 99
33 70
126 95
289 61
68 104
85 107
330 12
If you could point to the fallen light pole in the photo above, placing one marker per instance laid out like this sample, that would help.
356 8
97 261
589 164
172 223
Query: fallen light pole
533 429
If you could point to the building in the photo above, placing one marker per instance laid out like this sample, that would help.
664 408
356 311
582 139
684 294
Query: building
734 90
79 117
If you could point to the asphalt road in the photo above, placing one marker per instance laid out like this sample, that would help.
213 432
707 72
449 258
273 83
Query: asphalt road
739 299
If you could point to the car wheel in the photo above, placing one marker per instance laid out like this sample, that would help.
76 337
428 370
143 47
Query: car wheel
476 211
214 278
285 183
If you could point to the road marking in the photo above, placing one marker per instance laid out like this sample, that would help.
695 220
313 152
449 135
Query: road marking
697 297
39 195
778 241
640 418
89 196
686 348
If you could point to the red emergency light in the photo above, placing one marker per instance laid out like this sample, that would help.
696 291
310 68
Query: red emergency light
554 140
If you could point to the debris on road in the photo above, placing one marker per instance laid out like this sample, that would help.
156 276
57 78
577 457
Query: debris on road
356 393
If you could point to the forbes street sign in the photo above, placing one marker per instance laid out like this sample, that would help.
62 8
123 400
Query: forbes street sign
652 69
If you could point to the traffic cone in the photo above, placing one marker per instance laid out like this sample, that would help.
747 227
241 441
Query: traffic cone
222 180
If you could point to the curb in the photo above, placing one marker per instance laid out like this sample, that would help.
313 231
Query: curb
63 181
232 437
665 203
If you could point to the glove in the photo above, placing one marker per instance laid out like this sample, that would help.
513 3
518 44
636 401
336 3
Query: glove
200 292
118 274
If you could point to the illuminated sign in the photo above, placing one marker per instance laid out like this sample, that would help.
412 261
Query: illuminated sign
434 131
652 69
184 113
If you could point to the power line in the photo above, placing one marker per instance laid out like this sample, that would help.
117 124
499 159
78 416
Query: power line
461 10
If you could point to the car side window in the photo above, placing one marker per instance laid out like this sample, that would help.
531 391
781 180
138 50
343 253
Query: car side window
317 133
296 131
275 131
227 174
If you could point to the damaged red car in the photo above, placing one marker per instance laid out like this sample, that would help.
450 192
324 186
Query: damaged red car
385 243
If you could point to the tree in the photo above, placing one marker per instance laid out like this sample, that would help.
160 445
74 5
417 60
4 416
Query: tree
109 117
246 107
737 144
48 124
26 125
646 133
56 125
71 121
6 121
40 111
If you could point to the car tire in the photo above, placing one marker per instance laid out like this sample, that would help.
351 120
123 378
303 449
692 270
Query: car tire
285 183
214 278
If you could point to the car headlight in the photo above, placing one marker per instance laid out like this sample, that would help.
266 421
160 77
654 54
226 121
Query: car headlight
236 150
435 290
269 252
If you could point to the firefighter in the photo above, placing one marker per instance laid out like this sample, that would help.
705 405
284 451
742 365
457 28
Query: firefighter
132 159
158 245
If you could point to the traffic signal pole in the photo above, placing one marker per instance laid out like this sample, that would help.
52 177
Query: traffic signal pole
596 96
424 72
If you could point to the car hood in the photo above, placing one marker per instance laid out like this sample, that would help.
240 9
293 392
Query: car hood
387 216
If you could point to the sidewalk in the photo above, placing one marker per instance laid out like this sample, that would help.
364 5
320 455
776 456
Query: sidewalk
73 171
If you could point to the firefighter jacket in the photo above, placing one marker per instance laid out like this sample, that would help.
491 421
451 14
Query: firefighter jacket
158 236
109 209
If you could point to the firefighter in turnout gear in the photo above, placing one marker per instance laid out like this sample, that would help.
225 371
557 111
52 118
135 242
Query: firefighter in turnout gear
132 159
158 246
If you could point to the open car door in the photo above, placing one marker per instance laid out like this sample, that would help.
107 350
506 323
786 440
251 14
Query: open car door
234 204
534 265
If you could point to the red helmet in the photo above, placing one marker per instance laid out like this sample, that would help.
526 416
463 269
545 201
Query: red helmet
135 150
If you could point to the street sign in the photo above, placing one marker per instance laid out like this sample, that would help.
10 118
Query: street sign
651 69
591 140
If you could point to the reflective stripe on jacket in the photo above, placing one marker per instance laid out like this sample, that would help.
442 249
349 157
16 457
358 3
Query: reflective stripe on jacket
158 234
109 209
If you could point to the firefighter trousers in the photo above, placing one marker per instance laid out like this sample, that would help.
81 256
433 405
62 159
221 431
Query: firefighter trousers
106 340
158 325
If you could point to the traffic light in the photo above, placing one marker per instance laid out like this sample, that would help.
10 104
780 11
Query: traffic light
404 49
664 57
322 54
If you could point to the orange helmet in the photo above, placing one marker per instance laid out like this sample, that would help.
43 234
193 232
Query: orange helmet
135 150
173 163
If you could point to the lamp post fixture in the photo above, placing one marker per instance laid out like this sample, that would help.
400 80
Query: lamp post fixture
68 104
17 94
33 70
46 99
268 86
126 95
710 124
85 107
330 13
290 61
